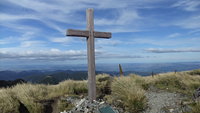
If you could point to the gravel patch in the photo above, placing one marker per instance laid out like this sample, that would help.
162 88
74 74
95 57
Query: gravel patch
165 102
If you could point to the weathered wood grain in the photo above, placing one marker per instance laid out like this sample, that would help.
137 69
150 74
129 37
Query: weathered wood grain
91 55
85 33
102 34
77 33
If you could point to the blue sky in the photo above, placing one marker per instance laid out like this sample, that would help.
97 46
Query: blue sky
33 31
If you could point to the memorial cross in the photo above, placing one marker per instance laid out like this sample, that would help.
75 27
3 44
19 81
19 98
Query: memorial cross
90 34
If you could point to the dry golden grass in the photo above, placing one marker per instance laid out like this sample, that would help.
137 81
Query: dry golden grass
68 87
103 83
8 103
28 94
128 93
181 82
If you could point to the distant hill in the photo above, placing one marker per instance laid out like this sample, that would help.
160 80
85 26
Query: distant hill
53 77
57 76
6 84
49 80
112 67
37 76
12 75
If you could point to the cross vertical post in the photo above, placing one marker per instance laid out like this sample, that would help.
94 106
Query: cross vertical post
91 55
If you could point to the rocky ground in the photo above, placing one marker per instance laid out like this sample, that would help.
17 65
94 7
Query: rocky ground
86 106
165 102
159 101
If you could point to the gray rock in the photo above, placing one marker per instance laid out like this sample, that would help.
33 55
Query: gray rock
197 94
86 106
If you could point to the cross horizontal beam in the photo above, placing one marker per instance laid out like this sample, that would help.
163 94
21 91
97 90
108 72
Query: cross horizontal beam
85 33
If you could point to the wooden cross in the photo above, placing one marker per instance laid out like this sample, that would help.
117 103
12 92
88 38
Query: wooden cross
90 34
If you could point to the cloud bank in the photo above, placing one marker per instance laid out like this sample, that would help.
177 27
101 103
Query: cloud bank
58 55
155 50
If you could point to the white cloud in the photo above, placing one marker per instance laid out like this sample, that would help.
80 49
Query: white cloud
174 35
20 28
120 16
12 21
120 29
194 31
27 36
7 40
52 54
124 17
190 23
108 42
59 55
57 11
34 43
63 11
162 41
8 17
25 39
188 5
127 17
156 50
61 40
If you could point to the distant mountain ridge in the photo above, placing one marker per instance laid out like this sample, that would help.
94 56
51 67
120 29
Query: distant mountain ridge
9 83
37 76
12 75
57 76
80 72
136 67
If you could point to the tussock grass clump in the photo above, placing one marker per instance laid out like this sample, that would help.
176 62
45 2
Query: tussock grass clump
69 87
181 82
103 83
127 93
8 102
29 94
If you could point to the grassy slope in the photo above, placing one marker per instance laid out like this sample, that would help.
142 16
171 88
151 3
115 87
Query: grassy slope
126 92
28 94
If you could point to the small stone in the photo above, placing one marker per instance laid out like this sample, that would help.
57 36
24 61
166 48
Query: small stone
171 110
86 106
101 103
